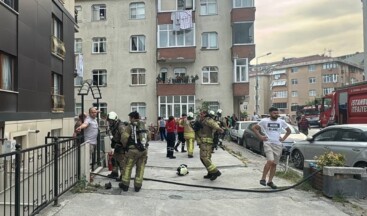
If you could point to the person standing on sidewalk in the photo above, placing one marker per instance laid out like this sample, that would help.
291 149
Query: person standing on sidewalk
180 133
304 125
189 134
272 128
171 137
135 140
205 141
162 128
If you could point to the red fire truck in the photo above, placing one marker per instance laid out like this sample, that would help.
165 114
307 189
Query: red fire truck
346 105
312 114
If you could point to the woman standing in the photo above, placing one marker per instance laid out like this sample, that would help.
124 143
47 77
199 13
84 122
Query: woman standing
171 137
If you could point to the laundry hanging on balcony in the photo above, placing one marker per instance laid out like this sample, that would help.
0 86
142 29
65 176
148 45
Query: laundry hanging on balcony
181 20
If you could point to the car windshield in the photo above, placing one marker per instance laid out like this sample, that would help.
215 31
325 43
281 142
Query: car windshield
293 130
245 125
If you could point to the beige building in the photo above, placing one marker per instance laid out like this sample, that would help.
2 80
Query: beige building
300 81
164 57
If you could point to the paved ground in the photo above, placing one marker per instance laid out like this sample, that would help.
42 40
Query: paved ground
161 199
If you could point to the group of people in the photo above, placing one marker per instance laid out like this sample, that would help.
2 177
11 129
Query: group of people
130 142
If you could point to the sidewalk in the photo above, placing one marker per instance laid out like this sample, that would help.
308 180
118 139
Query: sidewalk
159 199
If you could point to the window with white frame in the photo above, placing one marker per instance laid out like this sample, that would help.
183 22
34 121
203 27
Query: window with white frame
6 72
138 76
78 13
243 3
330 78
210 75
176 105
311 68
209 40
280 105
279 83
175 5
99 45
78 108
312 80
169 38
99 77
294 69
353 80
294 81
326 91
102 107
56 84
212 105
139 107
280 94
243 33
241 70
78 46
137 10
208 7
178 72
294 93
99 12
137 43
329 65
312 93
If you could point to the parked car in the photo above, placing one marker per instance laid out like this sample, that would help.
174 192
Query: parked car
236 132
349 140
251 141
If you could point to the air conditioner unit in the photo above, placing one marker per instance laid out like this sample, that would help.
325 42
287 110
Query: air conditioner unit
102 122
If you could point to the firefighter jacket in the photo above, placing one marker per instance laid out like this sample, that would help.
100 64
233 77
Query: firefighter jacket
205 134
189 132
129 138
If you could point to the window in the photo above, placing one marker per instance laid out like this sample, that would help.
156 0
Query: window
210 75
279 83
294 81
57 28
138 76
280 105
312 93
179 72
243 3
312 80
169 38
102 107
176 105
6 72
78 81
78 45
212 105
57 46
137 43
280 94
140 108
353 80
294 94
78 14
10 3
209 40
98 12
243 33
329 65
241 70
99 45
327 90
294 69
100 77
327 135
163 75
174 5
56 84
329 78
208 7
137 10
311 68
78 108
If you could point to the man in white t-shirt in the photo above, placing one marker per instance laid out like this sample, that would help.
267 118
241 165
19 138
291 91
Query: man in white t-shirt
271 128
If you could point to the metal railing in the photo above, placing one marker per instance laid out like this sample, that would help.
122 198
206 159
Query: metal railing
32 178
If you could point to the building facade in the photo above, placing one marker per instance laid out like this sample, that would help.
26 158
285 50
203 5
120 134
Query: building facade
164 57
36 70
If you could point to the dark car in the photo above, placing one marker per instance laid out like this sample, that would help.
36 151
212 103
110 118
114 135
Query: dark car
251 141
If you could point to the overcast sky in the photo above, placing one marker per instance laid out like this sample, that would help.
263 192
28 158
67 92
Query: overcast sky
297 28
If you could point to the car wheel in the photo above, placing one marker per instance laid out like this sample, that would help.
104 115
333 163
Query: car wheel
361 165
244 143
262 152
239 141
297 159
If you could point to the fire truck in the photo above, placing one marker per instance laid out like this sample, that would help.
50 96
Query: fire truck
312 114
346 105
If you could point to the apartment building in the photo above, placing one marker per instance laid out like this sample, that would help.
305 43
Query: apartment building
164 57
299 81
36 71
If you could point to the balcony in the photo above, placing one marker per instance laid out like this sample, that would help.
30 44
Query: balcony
243 51
243 14
176 55
57 47
241 89
58 103
177 86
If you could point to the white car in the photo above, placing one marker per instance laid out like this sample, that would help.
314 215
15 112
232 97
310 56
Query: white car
236 132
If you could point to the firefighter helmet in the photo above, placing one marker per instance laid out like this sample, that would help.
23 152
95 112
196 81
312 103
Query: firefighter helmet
112 116
182 170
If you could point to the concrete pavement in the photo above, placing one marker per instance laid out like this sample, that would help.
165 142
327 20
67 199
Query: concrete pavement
160 199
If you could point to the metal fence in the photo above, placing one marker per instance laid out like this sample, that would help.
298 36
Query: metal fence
32 178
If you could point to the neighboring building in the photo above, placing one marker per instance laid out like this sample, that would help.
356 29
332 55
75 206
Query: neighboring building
36 70
144 55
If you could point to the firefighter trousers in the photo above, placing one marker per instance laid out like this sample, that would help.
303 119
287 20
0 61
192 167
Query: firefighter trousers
137 158
205 157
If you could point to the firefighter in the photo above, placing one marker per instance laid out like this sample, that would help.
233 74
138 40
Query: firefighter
189 133
205 141
135 140
116 127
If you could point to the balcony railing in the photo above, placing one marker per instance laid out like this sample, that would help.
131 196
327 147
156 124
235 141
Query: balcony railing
58 103
57 47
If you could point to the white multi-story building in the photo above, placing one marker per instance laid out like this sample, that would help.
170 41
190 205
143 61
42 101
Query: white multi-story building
164 57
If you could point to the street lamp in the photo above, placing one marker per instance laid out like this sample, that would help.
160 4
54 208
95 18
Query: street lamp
257 83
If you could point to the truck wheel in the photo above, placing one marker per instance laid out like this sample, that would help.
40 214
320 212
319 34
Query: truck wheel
297 159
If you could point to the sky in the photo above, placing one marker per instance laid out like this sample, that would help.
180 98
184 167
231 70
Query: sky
298 28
